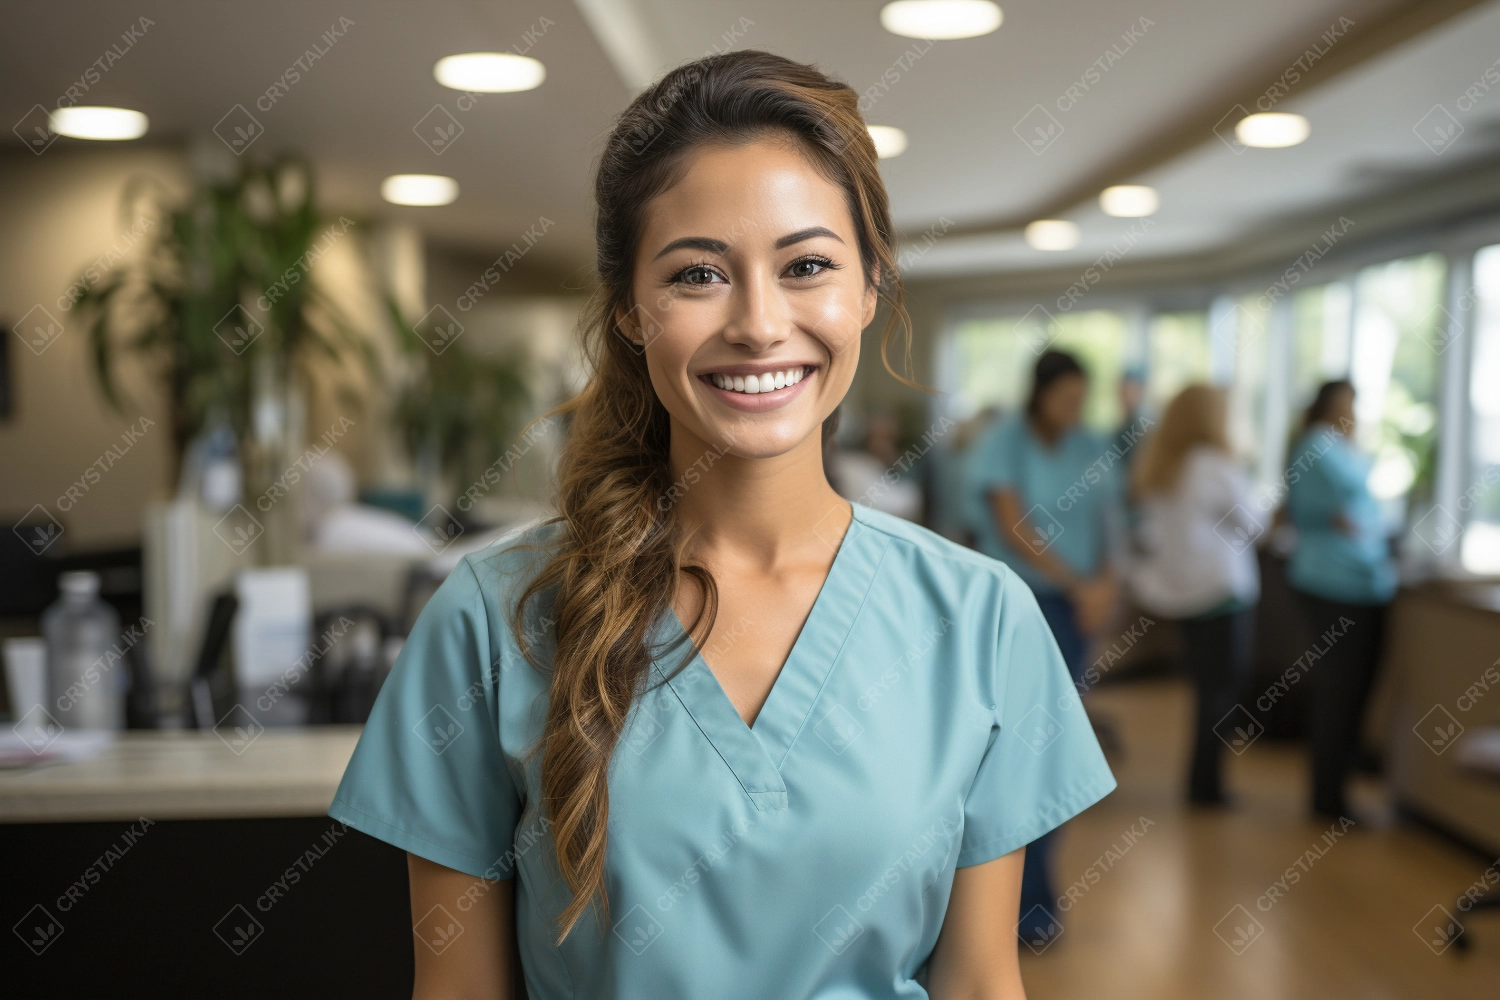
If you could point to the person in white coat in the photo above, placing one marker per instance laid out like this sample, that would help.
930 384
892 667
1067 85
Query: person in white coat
1196 564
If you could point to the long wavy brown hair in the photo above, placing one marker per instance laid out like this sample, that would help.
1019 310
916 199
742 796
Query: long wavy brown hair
615 566
1196 416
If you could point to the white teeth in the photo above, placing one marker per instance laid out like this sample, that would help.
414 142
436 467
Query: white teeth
755 384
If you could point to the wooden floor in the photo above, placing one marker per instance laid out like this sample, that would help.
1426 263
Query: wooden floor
1143 920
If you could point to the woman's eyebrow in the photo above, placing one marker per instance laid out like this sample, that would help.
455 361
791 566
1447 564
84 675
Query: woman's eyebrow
806 234
711 245
694 243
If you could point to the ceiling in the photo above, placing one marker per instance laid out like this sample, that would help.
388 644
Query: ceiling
524 157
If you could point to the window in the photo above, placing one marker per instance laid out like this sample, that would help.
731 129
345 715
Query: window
1394 368
993 360
1480 501
1178 353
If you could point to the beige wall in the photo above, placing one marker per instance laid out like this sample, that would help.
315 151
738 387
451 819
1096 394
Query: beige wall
58 213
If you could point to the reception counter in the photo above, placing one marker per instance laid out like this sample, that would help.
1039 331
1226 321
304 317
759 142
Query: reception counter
167 864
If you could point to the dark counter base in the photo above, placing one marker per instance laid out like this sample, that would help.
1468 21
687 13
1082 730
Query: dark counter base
146 926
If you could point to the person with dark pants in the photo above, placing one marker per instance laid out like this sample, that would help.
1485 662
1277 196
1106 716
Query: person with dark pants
1196 564
1045 487
1219 657
1343 571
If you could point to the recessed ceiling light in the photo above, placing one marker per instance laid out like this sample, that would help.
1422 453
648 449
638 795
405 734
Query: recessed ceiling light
98 123
1052 234
889 140
418 189
1129 201
1272 130
941 18
489 72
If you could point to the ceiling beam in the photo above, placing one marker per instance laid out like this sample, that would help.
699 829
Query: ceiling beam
1365 39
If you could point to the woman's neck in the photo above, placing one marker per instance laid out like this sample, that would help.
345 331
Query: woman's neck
1045 432
760 511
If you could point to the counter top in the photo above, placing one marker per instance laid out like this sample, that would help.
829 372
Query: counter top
184 774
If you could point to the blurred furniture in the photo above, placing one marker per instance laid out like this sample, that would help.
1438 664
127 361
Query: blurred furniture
202 840
1441 640
1480 754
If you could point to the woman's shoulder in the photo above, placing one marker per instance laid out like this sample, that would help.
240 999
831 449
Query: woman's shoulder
937 555
496 575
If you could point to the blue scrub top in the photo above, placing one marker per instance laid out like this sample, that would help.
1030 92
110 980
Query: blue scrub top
1326 475
1066 492
923 722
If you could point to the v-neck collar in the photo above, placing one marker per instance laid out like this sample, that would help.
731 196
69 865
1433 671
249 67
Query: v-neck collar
755 753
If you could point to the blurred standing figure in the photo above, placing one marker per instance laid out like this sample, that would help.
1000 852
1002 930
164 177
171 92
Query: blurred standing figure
875 476
1343 570
1193 568
1048 484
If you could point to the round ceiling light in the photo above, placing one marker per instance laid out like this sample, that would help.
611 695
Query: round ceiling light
489 72
1129 201
1272 130
945 19
889 140
98 123
419 189
1052 234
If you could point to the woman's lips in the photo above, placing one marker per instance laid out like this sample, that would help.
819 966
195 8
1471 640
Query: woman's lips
758 401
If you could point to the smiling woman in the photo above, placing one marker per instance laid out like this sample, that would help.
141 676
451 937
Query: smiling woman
646 749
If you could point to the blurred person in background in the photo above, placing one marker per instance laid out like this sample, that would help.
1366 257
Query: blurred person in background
1048 485
875 475
1343 571
1192 567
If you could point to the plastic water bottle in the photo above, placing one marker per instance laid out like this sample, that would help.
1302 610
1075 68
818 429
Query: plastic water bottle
85 688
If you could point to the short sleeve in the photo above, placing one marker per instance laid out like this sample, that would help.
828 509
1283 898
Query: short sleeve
1043 765
995 460
428 774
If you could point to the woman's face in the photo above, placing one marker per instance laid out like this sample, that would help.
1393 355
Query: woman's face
1341 411
748 274
1061 403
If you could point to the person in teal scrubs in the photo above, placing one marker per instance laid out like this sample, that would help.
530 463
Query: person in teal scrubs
1344 572
714 731
1047 486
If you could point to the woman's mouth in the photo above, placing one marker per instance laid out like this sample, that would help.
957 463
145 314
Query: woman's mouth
758 388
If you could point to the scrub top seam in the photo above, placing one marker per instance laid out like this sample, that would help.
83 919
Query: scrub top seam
864 599
710 740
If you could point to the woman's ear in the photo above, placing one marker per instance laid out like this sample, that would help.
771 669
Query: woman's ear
867 309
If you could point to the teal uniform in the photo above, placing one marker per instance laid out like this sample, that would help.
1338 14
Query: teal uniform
923 722
1065 492
1327 476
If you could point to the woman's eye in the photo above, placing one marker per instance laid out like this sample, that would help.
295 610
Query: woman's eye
697 276
806 268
